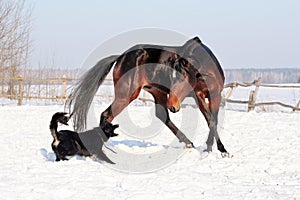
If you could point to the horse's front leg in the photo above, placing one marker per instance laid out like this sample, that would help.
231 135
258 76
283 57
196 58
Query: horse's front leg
162 113
180 135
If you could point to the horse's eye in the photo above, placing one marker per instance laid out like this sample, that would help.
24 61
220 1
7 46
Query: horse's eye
184 62
198 75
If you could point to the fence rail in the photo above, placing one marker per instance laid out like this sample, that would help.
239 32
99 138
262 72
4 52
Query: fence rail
253 94
22 91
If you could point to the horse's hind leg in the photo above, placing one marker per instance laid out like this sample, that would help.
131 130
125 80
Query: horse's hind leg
120 102
210 113
108 115
214 105
118 105
162 113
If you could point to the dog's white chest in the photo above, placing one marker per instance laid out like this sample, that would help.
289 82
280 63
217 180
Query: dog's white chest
56 143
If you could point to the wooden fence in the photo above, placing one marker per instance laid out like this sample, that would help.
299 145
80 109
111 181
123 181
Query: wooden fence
252 102
55 89
22 91
45 89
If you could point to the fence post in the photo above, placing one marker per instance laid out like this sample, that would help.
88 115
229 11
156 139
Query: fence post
2 86
64 90
253 95
143 98
251 103
297 106
20 90
230 91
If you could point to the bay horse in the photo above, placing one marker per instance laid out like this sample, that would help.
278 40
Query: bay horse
168 73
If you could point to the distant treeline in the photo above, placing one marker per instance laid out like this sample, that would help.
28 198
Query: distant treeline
280 75
50 73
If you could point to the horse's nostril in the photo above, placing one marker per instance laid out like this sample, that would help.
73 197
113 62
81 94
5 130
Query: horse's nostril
173 109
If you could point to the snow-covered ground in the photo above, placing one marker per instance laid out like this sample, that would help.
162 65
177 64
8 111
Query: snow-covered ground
265 165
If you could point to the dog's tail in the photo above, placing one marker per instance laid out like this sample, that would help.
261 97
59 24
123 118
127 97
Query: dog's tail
84 91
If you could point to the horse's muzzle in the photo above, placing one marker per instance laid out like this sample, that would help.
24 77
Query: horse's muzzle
173 103
174 107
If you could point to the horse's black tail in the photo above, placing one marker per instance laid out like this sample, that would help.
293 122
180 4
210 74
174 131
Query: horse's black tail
84 91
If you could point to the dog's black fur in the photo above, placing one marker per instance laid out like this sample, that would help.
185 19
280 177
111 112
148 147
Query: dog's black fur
65 142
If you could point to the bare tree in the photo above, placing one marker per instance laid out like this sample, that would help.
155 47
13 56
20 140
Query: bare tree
15 26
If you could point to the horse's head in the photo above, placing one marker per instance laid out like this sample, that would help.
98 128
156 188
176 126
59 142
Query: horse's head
195 68
183 80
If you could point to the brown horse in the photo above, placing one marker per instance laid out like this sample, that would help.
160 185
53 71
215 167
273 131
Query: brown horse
169 73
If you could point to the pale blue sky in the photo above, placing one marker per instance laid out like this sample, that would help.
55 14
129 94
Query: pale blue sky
242 34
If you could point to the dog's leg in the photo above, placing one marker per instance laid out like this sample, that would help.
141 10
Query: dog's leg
64 158
56 153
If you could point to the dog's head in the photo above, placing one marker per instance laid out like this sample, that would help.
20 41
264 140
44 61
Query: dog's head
61 118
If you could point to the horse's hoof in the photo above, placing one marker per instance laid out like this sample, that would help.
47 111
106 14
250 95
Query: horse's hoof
108 128
190 145
208 149
226 155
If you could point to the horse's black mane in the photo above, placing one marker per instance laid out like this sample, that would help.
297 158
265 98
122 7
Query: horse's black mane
214 59
189 47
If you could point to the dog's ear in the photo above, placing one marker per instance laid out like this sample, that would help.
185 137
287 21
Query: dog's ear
59 114
64 113
63 119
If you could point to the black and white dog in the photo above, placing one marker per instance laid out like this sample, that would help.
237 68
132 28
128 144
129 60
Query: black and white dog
65 142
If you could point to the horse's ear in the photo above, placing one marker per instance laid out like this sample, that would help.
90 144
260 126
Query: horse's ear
190 45
197 39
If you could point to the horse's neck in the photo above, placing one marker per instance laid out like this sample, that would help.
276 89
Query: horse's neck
153 46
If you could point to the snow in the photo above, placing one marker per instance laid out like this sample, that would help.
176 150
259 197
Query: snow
265 165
